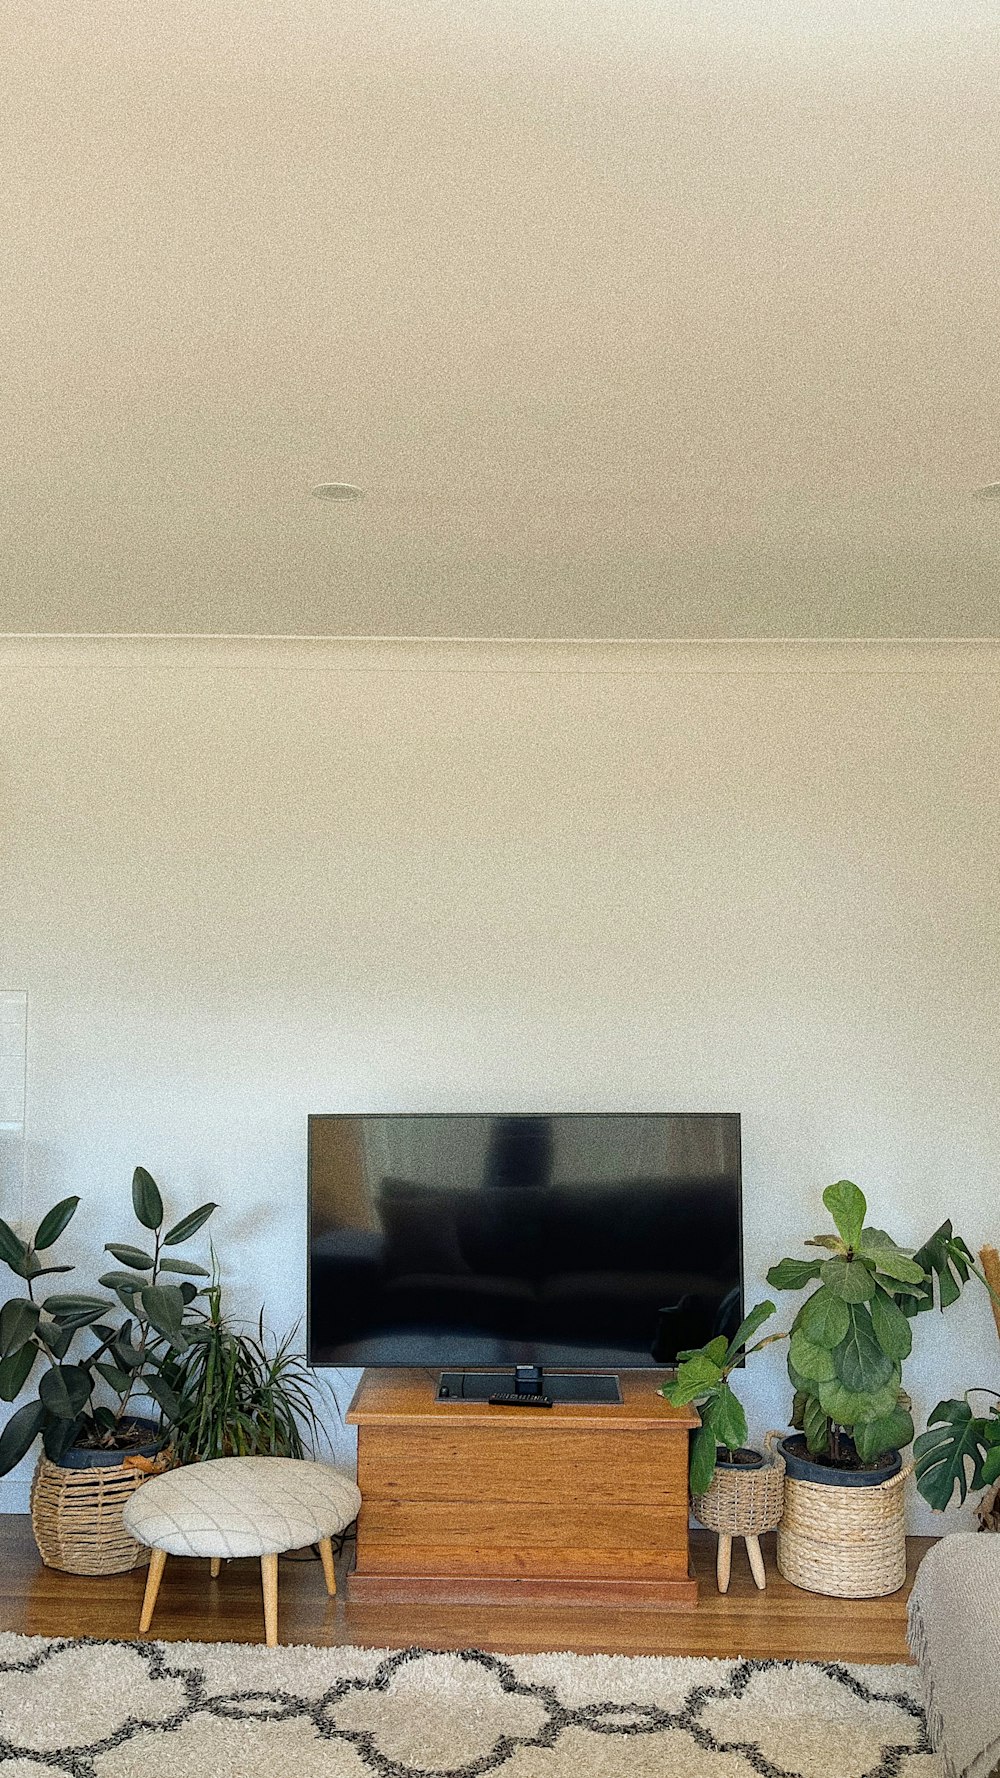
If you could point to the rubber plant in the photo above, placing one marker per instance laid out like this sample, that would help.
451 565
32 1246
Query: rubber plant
852 1334
90 1399
702 1380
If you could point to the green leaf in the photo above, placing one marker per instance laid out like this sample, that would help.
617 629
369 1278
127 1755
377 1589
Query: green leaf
703 1448
949 1455
128 1356
846 1204
19 1434
815 1425
188 1225
161 1392
859 1360
726 1418
876 1438
15 1371
832 1243
52 1225
892 1329
946 1259
13 1251
118 1379
128 1281
18 1320
824 1318
136 1257
882 1250
991 1466
65 1390
58 1436
146 1200
815 1363
847 1406
794 1274
105 1419
694 1377
75 1311
190 1270
849 1279
163 1307
58 1340
746 1330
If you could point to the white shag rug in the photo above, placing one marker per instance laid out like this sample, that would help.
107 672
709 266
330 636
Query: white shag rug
83 1709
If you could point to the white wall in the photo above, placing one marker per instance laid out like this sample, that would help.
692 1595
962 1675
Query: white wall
249 880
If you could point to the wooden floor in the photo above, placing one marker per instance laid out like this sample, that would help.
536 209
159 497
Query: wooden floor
781 1623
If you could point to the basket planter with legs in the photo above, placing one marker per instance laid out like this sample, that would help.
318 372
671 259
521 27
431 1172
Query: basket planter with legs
743 1500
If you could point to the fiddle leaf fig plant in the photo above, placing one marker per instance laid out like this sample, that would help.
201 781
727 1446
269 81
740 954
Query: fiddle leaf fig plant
852 1334
90 1399
703 1380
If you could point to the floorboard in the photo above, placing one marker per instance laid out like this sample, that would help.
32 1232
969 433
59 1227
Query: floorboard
781 1623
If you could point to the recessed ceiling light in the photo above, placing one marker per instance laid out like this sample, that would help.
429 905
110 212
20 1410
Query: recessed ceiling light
338 491
990 491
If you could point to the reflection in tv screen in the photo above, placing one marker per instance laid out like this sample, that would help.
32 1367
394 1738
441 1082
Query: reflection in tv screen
575 1239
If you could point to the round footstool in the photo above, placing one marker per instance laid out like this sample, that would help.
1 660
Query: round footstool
241 1506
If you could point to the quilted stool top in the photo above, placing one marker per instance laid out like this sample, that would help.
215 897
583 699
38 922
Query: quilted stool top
241 1506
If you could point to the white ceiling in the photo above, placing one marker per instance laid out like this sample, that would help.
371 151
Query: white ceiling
632 317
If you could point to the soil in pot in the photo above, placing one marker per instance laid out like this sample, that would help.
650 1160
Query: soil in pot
744 1458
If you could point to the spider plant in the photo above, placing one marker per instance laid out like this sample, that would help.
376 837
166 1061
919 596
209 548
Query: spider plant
238 1394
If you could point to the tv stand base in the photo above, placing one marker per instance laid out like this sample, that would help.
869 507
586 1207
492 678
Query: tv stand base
583 1505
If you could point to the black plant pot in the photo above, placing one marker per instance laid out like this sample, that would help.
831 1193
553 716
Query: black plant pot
800 1466
96 1457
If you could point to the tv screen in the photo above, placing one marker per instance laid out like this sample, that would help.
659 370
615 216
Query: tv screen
576 1240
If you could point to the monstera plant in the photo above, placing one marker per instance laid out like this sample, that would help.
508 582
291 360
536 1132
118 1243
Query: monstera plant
960 1451
88 1394
853 1332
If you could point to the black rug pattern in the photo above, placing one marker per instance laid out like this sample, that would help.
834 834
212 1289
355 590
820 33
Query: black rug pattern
628 1721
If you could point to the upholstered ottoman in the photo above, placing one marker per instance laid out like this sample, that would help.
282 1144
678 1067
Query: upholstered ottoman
955 1638
241 1506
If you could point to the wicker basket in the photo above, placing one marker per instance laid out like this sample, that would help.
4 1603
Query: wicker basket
848 1543
76 1515
743 1502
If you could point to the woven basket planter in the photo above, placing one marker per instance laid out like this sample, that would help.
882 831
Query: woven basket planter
76 1509
846 1542
743 1502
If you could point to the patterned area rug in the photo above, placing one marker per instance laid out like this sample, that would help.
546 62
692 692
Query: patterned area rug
85 1709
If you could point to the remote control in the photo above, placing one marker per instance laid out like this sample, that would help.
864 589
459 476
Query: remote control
520 1401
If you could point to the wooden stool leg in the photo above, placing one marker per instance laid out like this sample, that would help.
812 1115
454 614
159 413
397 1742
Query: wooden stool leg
216 1567
756 1561
723 1561
269 1582
157 1563
326 1557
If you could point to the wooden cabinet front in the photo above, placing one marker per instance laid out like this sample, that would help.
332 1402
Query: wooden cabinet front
474 1504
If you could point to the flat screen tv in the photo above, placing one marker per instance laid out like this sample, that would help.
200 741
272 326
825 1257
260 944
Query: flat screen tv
577 1240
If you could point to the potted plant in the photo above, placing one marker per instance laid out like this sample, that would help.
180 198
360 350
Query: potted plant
960 1451
230 1393
842 1531
736 1491
86 1408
